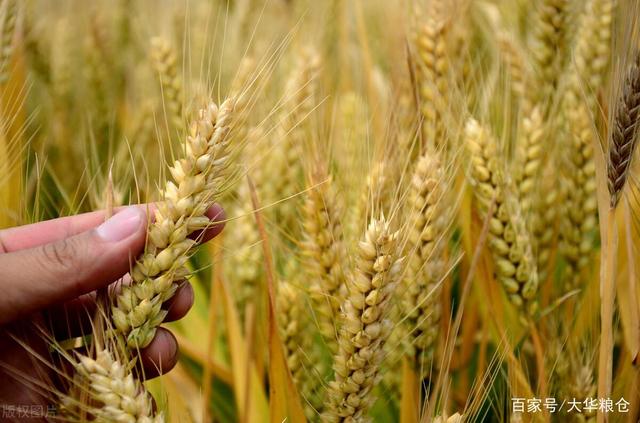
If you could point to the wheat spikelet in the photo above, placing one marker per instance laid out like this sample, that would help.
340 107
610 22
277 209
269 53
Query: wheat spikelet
199 177
432 71
164 62
8 20
509 239
364 326
325 253
548 44
426 260
624 137
115 395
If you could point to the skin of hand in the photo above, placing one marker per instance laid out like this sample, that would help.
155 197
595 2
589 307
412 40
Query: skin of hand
49 274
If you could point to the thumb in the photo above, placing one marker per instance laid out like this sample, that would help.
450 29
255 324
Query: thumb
36 278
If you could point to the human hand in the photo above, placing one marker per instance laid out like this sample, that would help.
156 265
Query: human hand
49 274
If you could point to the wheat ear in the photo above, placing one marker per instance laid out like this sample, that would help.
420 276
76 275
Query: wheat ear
593 44
245 257
580 217
509 239
364 327
114 393
624 136
325 253
432 71
426 260
548 43
294 325
292 131
8 20
165 64
198 179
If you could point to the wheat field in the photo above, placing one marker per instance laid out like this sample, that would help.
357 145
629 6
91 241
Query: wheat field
430 209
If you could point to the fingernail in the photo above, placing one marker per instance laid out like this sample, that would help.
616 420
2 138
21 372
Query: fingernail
121 225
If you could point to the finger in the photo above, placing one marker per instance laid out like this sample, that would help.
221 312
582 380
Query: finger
178 306
161 355
36 234
39 277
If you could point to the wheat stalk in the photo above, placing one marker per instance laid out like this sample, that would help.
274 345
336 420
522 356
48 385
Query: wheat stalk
509 239
364 326
199 178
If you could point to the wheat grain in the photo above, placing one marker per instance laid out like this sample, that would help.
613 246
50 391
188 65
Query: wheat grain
200 176
509 239
364 326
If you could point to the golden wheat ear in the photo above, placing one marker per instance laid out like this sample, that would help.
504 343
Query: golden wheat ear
509 241
365 326
198 180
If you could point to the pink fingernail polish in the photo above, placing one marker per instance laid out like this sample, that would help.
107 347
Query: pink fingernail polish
121 225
